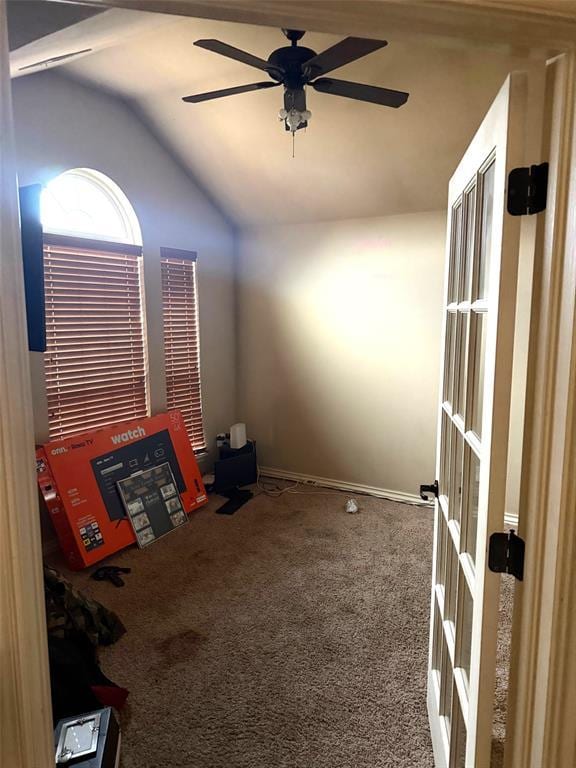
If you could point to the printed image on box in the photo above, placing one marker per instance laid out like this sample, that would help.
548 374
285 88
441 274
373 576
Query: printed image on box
90 532
152 503
118 464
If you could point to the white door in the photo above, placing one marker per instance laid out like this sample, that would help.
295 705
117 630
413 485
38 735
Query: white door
479 309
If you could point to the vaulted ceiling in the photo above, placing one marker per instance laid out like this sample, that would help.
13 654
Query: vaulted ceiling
355 160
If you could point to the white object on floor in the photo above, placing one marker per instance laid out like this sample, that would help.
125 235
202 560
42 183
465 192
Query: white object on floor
351 507
238 435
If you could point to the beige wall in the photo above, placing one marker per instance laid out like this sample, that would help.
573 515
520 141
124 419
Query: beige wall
61 124
339 347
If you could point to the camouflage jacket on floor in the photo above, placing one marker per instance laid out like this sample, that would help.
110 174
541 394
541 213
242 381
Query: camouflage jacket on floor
68 611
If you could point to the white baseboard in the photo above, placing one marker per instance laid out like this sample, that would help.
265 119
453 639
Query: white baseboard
341 485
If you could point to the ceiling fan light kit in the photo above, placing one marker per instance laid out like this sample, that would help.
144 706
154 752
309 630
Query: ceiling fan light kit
295 67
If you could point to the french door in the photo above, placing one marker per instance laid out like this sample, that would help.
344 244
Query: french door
473 425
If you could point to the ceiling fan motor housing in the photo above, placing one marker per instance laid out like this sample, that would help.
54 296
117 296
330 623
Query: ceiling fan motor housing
287 65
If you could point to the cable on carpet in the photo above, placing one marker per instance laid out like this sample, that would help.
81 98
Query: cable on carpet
275 491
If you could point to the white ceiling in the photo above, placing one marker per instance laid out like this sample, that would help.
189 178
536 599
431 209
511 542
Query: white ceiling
355 160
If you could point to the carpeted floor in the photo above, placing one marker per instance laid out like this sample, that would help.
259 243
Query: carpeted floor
506 607
290 635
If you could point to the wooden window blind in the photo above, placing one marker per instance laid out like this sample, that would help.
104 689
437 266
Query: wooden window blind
95 360
181 340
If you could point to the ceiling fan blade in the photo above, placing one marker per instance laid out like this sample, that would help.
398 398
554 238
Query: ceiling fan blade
228 92
371 93
347 50
233 53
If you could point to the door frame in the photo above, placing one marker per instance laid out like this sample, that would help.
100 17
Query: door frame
26 735
543 673
541 704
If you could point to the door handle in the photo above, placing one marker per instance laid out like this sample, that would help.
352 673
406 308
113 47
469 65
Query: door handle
426 489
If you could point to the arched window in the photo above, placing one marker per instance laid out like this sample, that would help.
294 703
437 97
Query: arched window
86 203
95 361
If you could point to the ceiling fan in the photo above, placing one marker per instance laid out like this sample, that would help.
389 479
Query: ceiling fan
296 67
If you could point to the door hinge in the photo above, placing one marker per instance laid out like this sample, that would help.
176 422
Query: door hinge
506 554
527 190
426 489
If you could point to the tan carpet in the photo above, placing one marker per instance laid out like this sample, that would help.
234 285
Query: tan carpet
507 587
290 635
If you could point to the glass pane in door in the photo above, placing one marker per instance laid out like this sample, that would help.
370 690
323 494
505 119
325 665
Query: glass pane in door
470 205
455 252
456 478
478 335
461 363
485 246
446 684
465 609
449 357
458 757
471 508
450 594
441 554
437 641
444 481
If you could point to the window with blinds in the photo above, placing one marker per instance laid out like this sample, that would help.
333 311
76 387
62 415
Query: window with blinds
95 360
181 340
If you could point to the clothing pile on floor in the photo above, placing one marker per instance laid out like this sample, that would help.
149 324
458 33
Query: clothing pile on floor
77 626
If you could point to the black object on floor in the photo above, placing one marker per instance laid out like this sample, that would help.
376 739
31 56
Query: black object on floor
236 499
110 573
77 684
73 670
236 467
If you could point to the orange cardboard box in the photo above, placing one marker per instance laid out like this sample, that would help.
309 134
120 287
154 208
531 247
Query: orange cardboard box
77 478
